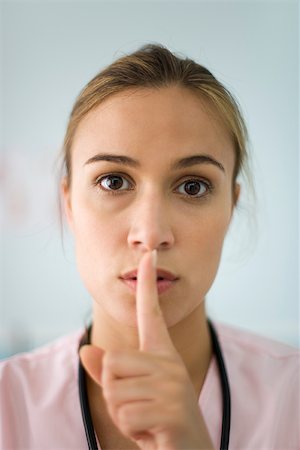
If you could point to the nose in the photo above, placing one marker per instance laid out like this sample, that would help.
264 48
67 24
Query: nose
150 226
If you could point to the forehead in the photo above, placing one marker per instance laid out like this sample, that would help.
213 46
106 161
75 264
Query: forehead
158 124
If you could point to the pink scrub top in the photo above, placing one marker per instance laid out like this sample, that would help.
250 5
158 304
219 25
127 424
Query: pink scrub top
40 409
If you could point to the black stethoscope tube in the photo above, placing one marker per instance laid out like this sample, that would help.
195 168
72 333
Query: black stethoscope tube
84 403
85 411
225 388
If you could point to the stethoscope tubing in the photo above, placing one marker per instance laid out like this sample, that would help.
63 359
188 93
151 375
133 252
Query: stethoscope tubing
226 397
85 410
226 417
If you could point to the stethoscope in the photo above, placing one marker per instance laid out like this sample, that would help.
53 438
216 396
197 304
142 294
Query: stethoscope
84 403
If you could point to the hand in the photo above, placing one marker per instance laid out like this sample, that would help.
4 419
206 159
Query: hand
148 392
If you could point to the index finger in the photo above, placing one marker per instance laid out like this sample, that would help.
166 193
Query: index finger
153 332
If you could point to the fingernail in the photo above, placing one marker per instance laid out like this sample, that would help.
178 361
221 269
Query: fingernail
154 257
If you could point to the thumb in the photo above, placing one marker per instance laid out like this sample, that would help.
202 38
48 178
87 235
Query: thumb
91 359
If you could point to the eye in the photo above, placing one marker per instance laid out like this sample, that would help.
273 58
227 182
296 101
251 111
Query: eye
195 188
112 182
116 184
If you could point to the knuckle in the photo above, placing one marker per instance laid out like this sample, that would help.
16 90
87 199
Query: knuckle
124 418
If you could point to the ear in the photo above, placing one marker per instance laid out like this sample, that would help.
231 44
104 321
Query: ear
66 196
236 194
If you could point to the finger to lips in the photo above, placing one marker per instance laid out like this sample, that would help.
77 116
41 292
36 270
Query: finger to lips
153 331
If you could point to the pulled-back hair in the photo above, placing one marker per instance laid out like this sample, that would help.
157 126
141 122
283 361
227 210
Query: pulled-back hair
154 66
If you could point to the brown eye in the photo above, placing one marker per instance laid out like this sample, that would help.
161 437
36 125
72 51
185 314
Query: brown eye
112 182
195 188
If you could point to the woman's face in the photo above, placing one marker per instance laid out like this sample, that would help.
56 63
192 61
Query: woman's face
150 194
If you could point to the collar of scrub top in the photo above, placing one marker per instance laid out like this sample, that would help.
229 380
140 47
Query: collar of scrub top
84 402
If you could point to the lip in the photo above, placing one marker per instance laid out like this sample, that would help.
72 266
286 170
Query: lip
162 285
162 273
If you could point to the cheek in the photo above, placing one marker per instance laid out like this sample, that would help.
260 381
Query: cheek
206 246
97 240
213 234
94 225
210 227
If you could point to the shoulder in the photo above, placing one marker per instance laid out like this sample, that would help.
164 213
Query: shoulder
238 341
264 383
259 356
38 393
267 368
53 361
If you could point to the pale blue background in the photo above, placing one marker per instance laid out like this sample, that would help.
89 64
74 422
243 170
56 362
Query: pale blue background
50 49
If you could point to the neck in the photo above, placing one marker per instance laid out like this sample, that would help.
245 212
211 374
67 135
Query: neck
190 337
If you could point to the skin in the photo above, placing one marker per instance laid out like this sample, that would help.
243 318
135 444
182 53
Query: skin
150 353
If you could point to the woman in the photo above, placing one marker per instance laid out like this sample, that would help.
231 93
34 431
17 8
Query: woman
152 155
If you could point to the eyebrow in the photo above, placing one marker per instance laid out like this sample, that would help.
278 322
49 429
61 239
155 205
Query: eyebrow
182 163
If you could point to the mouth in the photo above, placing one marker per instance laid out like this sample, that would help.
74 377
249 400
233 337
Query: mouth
162 284
161 274
164 279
